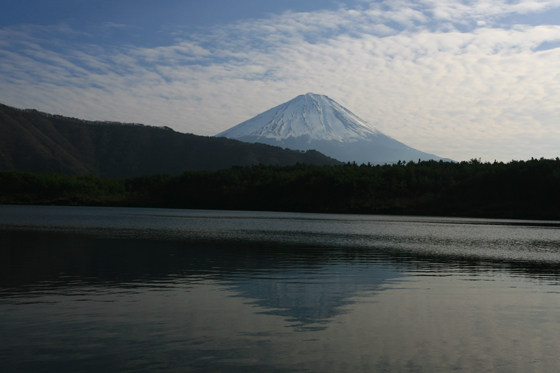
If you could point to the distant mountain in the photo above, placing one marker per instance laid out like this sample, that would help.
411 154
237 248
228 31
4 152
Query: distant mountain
40 142
314 121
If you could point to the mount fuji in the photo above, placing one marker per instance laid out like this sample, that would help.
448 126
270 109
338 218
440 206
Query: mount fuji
313 121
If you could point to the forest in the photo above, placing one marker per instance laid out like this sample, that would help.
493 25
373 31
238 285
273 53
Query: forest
517 189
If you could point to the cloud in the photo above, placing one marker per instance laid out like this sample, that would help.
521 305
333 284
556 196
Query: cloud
464 11
405 67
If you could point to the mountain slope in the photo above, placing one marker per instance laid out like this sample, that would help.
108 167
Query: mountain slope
39 142
314 121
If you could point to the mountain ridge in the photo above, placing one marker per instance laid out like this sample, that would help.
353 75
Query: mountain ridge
40 142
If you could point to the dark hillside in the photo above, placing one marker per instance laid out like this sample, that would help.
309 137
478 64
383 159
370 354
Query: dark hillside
38 142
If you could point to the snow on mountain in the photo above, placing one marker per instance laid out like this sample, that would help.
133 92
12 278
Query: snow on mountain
313 121
312 115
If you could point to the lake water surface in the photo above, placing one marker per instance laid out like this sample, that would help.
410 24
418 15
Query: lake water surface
89 289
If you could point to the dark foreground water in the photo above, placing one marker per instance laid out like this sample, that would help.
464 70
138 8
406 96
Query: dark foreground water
125 290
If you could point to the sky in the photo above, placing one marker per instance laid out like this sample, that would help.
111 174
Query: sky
459 79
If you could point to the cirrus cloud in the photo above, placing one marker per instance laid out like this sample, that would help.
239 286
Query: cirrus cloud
452 78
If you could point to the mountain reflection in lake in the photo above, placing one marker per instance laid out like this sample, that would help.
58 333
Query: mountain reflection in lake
119 289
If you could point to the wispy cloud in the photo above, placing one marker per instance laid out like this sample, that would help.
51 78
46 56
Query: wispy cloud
448 77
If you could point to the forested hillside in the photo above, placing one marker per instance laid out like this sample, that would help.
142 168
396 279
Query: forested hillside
518 189
44 143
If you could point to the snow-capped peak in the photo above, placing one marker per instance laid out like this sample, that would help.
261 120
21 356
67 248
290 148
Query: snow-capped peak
313 115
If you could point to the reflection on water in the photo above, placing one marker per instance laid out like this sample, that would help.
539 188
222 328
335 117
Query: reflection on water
91 289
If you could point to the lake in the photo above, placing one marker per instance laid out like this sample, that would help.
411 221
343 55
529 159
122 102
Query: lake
93 289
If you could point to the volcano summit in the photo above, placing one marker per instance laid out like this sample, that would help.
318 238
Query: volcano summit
314 121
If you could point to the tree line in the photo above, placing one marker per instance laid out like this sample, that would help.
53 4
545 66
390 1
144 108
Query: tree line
517 189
